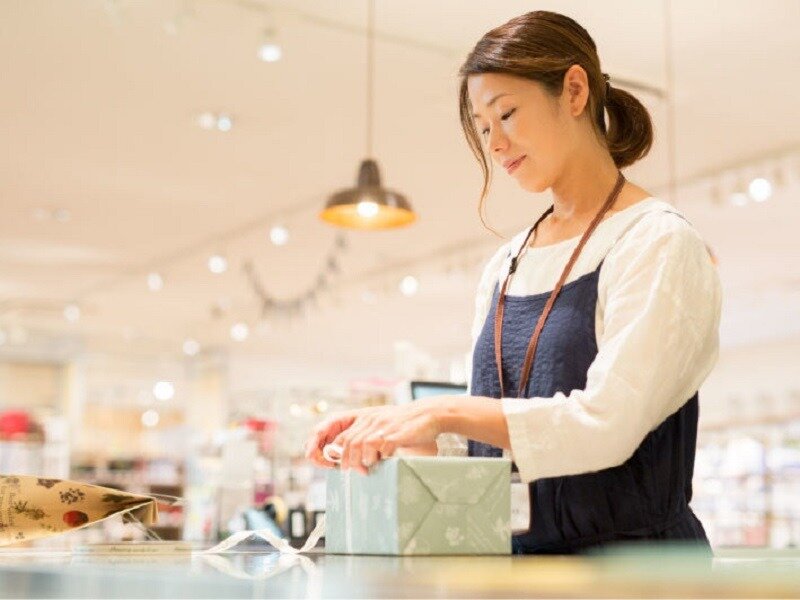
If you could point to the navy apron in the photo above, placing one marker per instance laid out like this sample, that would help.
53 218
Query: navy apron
645 498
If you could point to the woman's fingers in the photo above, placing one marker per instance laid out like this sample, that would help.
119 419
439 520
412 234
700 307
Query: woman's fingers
324 434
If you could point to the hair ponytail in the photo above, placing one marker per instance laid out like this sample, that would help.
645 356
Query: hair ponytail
630 129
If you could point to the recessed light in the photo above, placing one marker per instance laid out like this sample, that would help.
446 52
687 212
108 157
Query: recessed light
62 215
279 235
150 418
409 285
72 313
224 123
164 390
760 189
269 52
217 264
239 332
155 282
191 347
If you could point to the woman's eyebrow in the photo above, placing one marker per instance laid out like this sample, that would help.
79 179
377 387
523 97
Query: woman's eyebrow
490 102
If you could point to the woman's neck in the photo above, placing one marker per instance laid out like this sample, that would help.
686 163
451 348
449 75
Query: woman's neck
583 188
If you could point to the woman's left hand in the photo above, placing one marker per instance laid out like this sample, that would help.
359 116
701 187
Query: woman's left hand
376 433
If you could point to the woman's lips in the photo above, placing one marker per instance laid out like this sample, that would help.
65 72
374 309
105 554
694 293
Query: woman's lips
512 167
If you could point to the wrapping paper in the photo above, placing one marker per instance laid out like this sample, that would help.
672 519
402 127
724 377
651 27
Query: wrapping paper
34 507
421 505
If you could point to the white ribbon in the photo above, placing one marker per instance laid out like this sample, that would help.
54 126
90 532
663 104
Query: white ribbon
283 545
279 543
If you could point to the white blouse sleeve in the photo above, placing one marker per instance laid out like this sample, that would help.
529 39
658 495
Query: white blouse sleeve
451 444
660 298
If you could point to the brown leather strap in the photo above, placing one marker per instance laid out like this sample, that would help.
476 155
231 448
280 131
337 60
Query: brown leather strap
498 321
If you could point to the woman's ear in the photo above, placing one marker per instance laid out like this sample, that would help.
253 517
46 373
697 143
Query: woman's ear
576 89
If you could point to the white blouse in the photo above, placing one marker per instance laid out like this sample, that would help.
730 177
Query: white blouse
657 329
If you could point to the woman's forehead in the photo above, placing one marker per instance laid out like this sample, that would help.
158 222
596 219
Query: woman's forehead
486 88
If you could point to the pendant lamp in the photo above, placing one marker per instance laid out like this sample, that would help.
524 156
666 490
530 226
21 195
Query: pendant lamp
369 205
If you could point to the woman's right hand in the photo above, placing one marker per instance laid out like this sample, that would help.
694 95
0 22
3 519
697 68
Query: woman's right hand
324 434
329 429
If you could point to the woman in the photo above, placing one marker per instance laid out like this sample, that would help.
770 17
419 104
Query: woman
608 329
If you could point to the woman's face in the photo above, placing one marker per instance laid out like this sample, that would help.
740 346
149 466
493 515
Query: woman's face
522 121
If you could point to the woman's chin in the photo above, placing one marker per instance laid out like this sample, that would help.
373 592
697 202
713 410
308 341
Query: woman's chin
533 185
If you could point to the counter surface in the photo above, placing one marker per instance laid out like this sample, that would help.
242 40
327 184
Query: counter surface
257 572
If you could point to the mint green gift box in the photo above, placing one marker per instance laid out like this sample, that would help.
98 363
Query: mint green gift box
421 505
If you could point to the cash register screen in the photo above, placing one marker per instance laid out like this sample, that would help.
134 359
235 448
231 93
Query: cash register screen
423 389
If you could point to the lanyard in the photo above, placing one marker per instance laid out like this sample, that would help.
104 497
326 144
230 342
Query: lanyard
498 318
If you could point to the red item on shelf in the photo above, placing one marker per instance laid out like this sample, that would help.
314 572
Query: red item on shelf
14 423
265 431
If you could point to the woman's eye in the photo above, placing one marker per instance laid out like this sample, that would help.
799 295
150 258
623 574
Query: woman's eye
503 118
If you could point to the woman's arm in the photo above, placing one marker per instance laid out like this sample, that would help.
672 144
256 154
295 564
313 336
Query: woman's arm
659 341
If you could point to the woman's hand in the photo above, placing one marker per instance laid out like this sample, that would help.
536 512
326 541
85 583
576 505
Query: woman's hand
371 434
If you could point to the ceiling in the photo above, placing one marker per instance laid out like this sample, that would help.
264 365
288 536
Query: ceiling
98 116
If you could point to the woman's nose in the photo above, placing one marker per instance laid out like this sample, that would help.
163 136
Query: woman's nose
498 141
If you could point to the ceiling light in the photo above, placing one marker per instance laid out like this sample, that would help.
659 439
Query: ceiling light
72 313
269 52
191 347
217 264
62 215
321 406
295 410
368 205
344 208
367 209
239 332
163 390
409 285
279 235
207 120
760 189
155 282
224 123
150 418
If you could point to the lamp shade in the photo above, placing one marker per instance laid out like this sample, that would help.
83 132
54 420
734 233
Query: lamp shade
368 205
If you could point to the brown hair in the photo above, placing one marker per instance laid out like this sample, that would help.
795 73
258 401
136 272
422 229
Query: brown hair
542 46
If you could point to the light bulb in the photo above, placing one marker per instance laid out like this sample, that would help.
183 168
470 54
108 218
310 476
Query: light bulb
155 282
239 332
279 235
217 264
72 313
191 347
409 285
224 123
269 52
760 189
164 390
150 418
367 209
